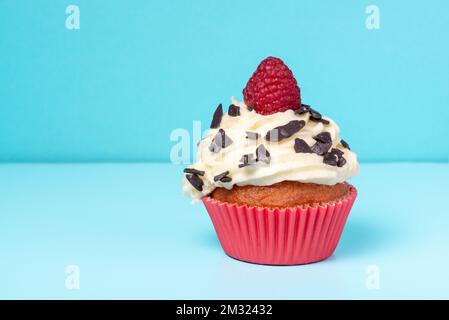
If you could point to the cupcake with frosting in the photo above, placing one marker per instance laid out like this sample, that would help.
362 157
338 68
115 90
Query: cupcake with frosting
272 174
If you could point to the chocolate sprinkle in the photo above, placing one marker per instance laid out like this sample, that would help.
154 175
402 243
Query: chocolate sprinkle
285 131
221 140
195 181
234 110
262 154
216 119
301 146
252 135
223 177
194 171
247 160
324 137
250 108
345 144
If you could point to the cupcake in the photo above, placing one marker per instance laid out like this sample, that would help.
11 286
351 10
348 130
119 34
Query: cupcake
272 174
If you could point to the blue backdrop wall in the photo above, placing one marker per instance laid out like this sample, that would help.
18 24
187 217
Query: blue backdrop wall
116 88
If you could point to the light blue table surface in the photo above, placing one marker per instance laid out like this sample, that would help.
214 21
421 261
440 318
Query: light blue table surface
133 235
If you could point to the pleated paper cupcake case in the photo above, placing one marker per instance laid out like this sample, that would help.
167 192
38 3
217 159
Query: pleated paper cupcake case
287 236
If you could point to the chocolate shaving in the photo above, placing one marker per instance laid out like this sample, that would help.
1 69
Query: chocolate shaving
302 109
334 158
323 143
194 171
321 148
345 144
252 135
323 121
341 162
250 107
214 147
285 131
337 152
223 177
226 179
324 137
262 154
301 146
247 160
314 115
221 140
330 159
234 110
195 181
216 119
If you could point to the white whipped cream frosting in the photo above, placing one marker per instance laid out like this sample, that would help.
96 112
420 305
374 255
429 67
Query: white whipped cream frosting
285 163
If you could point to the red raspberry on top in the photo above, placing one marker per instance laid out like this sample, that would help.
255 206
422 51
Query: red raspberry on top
272 88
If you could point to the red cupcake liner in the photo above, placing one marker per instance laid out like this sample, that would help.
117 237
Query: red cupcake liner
287 236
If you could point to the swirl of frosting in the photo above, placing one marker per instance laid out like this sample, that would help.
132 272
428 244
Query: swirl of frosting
227 166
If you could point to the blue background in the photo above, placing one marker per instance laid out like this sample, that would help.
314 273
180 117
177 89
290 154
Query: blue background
115 89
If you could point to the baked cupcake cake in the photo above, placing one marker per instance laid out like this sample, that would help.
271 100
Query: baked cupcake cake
272 174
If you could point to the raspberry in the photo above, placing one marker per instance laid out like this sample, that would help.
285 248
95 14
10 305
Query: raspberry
272 88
